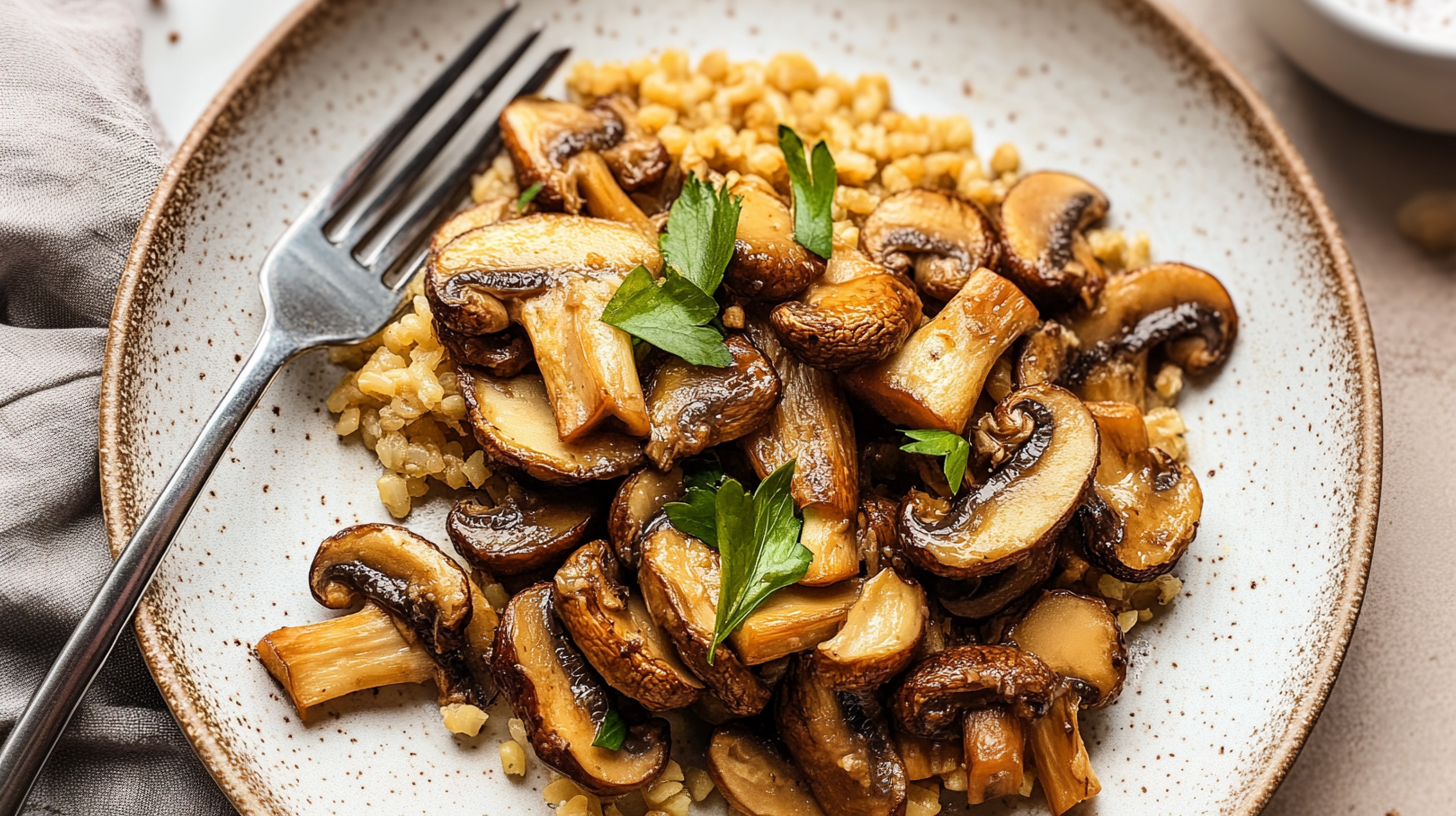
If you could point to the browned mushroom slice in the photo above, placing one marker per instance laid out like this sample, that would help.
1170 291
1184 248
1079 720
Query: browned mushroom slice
1023 505
794 619
1145 506
768 264
679 579
934 380
639 499
985 596
995 744
505 353
638 159
841 741
1047 254
1174 304
490 211
542 135
563 703
620 639
876 535
934 695
925 758
879 637
855 315
939 237
1043 355
1077 636
1062 765
513 422
693 408
516 531
755 778
1122 376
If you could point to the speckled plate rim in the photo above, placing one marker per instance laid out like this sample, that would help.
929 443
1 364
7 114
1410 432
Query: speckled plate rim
121 510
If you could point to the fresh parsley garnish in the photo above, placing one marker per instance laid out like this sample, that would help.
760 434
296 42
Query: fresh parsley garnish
954 447
701 227
697 513
612 732
813 194
527 197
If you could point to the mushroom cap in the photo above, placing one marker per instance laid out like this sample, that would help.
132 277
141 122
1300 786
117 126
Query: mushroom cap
638 500
542 135
505 353
522 531
1076 636
1043 354
855 315
932 697
768 264
692 408
985 596
638 159
755 778
490 211
940 238
1046 254
879 636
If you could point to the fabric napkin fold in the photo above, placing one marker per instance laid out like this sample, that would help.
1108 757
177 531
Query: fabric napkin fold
80 153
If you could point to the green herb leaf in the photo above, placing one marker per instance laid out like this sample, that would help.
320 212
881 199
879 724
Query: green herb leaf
705 471
696 514
954 447
758 543
527 196
700 231
671 314
612 732
813 195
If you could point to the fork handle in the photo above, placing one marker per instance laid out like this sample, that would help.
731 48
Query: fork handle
36 732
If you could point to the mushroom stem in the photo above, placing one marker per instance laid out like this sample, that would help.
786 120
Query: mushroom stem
995 742
1062 765
604 196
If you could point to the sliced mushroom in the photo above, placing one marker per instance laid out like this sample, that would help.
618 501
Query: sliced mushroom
693 408
755 778
934 695
490 211
812 425
1121 376
1023 505
995 744
1144 508
768 264
934 380
879 637
925 758
1077 636
939 236
855 315
516 531
563 703
679 579
1042 221
841 741
985 596
505 353
513 422
1043 355
1062 765
794 619
611 626
638 159
876 535
639 499
1171 303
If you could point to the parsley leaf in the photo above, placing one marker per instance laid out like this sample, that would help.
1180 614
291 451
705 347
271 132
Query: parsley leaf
954 447
671 315
527 196
612 732
704 471
813 196
701 227
697 513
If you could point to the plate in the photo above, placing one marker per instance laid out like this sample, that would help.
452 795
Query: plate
1286 440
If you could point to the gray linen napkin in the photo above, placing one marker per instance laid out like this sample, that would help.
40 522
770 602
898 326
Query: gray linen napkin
79 156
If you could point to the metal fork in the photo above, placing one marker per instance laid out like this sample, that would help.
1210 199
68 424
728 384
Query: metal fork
324 282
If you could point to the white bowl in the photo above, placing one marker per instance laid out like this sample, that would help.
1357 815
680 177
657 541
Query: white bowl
1403 76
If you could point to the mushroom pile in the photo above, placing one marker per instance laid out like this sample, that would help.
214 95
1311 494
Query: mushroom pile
928 635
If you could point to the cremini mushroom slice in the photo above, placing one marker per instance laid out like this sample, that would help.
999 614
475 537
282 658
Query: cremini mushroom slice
513 421
513 531
841 741
985 596
855 315
1077 636
1023 505
1046 253
1062 766
812 425
612 628
876 536
1170 304
938 690
638 159
879 637
490 211
934 380
692 408
505 353
1043 355
938 237
794 619
995 745
679 578
755 778
639 499
562 702
768 264
1144 507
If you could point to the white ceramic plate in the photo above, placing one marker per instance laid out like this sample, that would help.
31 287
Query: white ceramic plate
1286 439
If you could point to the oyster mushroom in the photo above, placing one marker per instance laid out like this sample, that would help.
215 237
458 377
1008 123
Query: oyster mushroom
768 264
1144 507
879 637
639 499
755 778
1077 636
794 619
937 692
692 408
1023 505
562 702
940 238
1046 253
516 531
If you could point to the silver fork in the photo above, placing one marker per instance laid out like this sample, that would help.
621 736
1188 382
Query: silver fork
324 282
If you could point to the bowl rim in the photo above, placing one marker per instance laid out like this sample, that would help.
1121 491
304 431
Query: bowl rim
121 507
1369 27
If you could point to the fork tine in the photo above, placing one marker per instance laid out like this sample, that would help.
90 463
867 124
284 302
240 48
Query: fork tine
361 225
438 203
348 183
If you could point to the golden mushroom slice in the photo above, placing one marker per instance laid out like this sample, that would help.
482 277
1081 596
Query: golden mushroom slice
639 499
1046 253
794 619
1062 765
934 380
995 746
1077 636
513 422
692 408
514 531
768 264
939 238
755 778
880 635
1144 507
490 211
